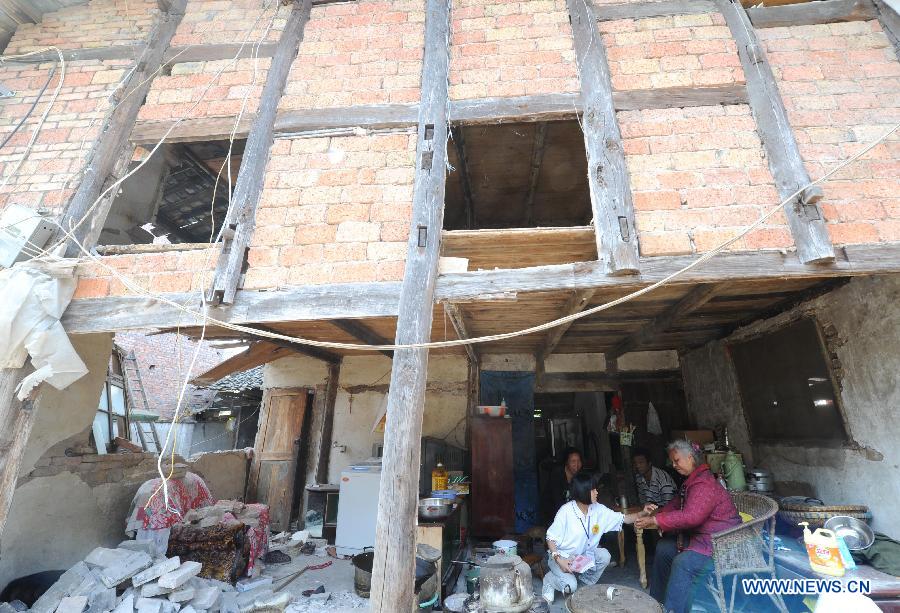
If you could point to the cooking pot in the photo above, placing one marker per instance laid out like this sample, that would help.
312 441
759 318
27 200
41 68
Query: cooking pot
505 585
426 580
435 508
760 480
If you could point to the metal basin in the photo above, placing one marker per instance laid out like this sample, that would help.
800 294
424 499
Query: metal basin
857 534
435 508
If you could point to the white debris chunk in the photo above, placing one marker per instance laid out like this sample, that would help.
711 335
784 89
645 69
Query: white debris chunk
72 604
228 603
67 582
150 590
135 563
101 599
247 584
103 557
149 605
182 594
148 547
126 605
156 571
180 575
206 597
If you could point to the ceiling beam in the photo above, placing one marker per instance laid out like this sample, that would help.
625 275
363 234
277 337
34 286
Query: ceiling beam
576 304
458 320
812 13
258 353
694 299
360 331
307 350
537 158
465 182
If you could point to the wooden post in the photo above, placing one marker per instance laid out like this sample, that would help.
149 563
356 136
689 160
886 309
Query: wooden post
537 158
804 216
16 422
607 174
395 543
240 220
111 156
889 17
331 390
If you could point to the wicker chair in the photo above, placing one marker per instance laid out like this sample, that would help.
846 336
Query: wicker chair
741 550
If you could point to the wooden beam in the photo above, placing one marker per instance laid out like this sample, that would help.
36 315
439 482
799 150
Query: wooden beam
111 156
308 350
539 107
812 13
240 221
458 320
804 217
607 174
211 53
577 302
358 330
331 390
363 300
537 157
394 563
611 380
113 52
889 17
258 353
663 8
694 299
465 182
17 421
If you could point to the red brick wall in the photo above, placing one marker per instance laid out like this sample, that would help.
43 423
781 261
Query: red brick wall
683 50
698 177
171 271
334 209
841 86
511 48
210 22
358 53
50 174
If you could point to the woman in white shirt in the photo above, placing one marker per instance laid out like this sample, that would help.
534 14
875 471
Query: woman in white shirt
574 539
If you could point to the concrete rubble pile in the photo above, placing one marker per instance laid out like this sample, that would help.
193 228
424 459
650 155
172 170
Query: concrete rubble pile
205 517
132 578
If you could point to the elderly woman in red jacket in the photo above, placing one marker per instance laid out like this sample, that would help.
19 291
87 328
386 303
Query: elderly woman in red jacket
700 509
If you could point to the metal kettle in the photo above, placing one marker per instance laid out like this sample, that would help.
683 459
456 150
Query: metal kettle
505 585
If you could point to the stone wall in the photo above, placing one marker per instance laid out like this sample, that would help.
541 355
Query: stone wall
860 322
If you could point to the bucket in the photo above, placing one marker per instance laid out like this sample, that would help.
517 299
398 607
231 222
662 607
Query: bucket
472 579
426 581
362 573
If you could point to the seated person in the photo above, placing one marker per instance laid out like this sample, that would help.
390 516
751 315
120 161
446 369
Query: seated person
654 485
576 531
700 509
562 477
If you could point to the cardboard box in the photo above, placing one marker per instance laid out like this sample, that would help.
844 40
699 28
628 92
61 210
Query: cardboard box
701 437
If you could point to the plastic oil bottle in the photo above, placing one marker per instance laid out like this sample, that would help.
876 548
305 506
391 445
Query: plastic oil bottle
439 477
823 551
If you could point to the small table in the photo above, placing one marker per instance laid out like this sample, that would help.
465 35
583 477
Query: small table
604 598
639 546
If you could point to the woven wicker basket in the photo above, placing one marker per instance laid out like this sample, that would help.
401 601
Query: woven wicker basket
793 514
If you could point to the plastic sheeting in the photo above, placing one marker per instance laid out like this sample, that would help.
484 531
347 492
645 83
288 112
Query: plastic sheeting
35 295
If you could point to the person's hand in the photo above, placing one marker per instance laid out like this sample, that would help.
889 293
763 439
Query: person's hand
650 508
563 564
645 522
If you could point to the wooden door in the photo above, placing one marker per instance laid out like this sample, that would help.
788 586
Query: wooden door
493 495
276 451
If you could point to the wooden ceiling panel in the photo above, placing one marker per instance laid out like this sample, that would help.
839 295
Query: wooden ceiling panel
520 247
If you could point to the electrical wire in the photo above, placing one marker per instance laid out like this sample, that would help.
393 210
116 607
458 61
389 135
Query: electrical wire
31 108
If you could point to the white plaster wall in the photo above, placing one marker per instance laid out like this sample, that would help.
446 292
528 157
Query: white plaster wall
648 360
508 362
295 371
575 362
866 316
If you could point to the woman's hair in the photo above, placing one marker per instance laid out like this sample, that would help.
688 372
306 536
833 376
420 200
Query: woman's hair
580 487
687 447
569 451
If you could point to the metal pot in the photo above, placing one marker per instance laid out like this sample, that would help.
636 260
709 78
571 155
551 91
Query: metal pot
435 508
760 480
505 585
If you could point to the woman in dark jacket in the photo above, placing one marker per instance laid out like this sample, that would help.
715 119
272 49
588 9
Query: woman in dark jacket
700 509
562 478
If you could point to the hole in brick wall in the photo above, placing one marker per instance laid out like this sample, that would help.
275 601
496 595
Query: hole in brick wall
518 176
174 192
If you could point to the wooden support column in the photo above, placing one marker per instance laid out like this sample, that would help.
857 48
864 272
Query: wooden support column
331 390
607 174
694 299
465 181
804 216
393 568
111 156
361 332
458 320
16 422
241 218
888 12
537 158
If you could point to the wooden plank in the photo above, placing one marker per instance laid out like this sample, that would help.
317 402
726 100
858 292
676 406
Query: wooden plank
889 17
804 217
540 107
537 157
458 320
211 53
331 390
576 304
113 52
694 299
110 157
240 221
663 8
308 350
812 13
464 177
358 330
607 174
520 247
257 354
16 423
611 380
393 567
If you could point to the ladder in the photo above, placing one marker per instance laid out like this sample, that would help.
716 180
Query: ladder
136 398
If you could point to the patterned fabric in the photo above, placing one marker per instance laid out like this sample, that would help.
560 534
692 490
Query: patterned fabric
658 491
148 509
257 536
702 508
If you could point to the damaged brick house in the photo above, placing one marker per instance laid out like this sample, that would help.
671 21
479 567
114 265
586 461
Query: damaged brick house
305 168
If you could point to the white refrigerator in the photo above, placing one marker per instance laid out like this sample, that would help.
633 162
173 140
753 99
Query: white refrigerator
358 507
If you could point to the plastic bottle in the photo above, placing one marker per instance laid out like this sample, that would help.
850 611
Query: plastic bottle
439 477
823 551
